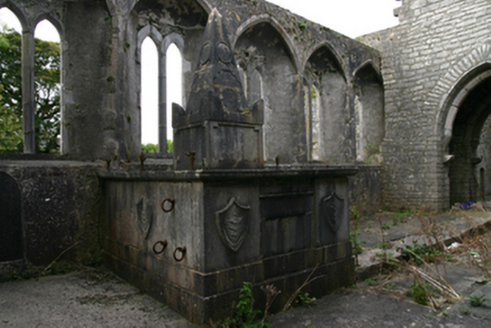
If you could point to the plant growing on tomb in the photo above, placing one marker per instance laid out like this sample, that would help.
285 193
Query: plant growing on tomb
245 315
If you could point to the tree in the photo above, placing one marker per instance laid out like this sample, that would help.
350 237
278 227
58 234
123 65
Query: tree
47 96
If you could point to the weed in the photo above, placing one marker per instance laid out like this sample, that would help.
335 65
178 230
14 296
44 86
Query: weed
309 279
304 300
421 292
421 252
477 301
465 310
355 218
382 246
245 315
385 226
271 293
387 257
357 249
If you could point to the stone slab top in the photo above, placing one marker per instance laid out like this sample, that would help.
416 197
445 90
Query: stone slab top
283 171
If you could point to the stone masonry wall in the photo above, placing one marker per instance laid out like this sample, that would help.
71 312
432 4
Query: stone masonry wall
61 209
436 44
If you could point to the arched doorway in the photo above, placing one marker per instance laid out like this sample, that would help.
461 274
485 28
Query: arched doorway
467 144
11 247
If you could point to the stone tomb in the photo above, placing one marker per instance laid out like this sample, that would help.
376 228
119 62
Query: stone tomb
192 236
191 239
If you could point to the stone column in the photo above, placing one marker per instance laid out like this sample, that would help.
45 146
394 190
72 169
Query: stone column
28 89
162 100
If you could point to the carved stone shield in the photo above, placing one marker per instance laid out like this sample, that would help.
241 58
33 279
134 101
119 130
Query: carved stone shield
233 224
332 211
145 218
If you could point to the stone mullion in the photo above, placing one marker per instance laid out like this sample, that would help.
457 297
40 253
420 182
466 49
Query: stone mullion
28 92
162 101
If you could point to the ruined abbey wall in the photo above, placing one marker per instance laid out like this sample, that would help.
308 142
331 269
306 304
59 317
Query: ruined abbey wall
304 72
322 92
439 49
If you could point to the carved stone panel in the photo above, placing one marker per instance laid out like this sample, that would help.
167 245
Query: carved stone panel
144 215
332 211
233 224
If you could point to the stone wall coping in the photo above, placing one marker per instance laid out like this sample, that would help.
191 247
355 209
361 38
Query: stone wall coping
211 175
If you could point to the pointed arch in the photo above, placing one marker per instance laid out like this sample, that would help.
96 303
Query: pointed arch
456 96
174 89
369 65
151 32
47 91
150 111
113 7
369 112
328 93
175 38
446 97
256 20
335 55
271 68
18 13
471 113
55 22
448 89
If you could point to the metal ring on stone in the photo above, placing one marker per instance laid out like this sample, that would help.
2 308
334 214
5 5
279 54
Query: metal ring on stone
172 203
183 253
164 246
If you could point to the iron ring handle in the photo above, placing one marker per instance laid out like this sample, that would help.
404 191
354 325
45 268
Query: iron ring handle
164 246
183 253
172 203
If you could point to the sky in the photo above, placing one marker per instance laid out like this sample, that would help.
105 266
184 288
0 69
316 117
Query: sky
352 18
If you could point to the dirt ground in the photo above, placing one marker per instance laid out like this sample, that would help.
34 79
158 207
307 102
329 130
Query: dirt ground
94 297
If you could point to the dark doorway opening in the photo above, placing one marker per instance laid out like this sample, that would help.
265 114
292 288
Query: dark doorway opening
469 145
10 219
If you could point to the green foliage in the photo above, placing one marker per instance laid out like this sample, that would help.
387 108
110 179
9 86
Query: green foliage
47 95
170 146
151 148
245 315
477 301
304 300
421 252
313 92
245 311
357 249
301 25
420 292
355 218
401 216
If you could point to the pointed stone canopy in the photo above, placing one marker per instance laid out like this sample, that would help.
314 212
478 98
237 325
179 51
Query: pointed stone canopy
217 91
218 129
